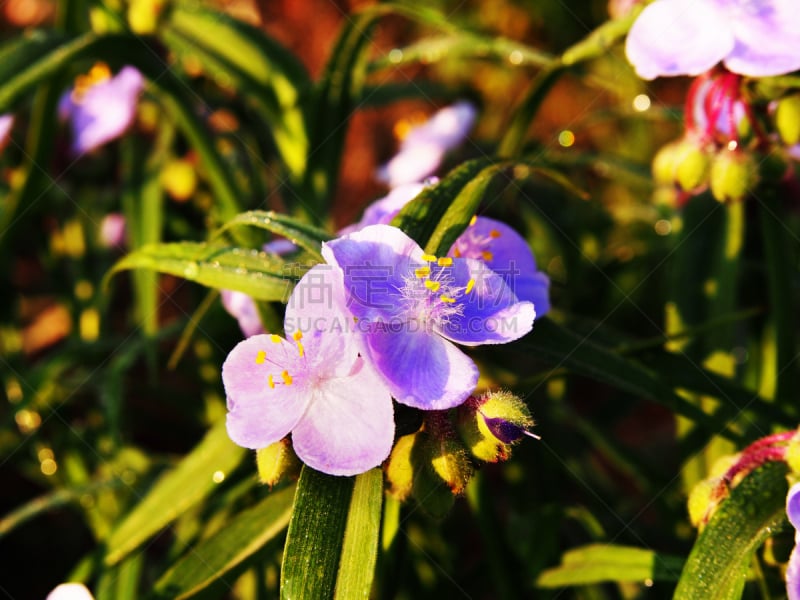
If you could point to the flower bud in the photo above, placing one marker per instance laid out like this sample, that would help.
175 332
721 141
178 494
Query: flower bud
787 119
489 425
691 166
276 461
442 473
399 468
703 499
793 454
444 452
733 175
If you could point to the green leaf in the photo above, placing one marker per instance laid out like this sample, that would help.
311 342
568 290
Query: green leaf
306 236
257 274
315 538
596 563
334 102
240 539
553 343
360 547
254 64
719 561
464 45
459 212
421 217
176 491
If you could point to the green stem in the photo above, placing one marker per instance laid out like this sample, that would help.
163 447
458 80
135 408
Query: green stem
778 262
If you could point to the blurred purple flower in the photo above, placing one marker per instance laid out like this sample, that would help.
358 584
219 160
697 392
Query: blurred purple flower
383 210
242 308
112 231
100 107
687 37
6 123
315 385
793 570
423 148
70 591
410 307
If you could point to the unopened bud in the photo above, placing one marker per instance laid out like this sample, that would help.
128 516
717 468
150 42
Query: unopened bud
787 119
733 175
276 461
703 499
793 454
399 468
489 425
691 166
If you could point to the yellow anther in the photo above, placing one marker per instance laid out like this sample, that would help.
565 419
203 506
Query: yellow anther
275 338
487 256
271 382
422 272
297 336
447 299
445 261
429 257
470 285
287 379
99 72
473 220
457 252
261 357
494 234
433 285
300 348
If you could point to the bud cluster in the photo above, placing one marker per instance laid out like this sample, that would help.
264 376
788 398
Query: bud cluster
730 142
434 464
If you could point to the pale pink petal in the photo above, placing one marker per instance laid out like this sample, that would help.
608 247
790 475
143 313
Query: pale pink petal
678 37
349 425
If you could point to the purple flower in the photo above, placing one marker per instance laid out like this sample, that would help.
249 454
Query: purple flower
410 307
242 308
6 123
501 248
100 107
687 37
423 149
314 385
505 252
793 570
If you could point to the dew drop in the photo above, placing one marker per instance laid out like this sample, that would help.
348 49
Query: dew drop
191 270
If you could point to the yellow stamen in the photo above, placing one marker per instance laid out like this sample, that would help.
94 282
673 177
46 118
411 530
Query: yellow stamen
300 348
429 257
261 357
473 220
287 379
433 285
275 338
457 252
486 255
445 261
422 272
470 285
494 234
270 382
297 336
447 299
